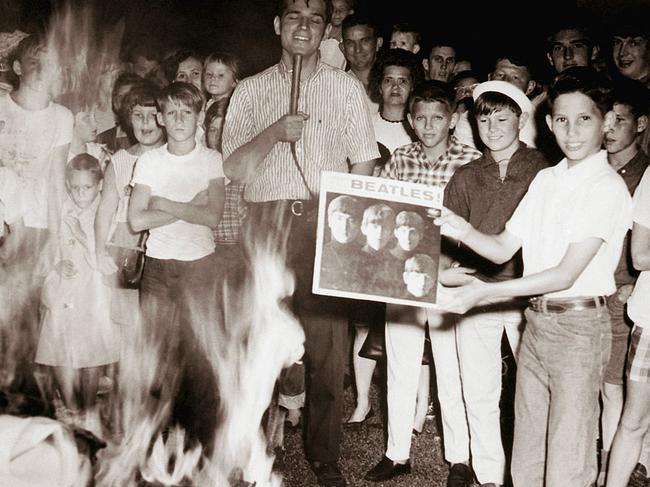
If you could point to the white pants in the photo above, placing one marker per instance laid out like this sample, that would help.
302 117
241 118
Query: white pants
404 348
479 336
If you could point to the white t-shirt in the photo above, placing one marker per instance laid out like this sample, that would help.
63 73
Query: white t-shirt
27 139
638 305
390 134
331 54
179 178
564 206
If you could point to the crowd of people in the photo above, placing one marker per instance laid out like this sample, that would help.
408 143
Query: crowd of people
127 202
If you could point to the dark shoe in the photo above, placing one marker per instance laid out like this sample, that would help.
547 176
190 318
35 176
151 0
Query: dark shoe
638 477
460 475
354 425
328 474
387 469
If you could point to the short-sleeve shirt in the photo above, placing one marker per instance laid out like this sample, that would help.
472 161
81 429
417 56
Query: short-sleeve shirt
179 178
338 129
27 139
569 205
410 163
638 305
392 134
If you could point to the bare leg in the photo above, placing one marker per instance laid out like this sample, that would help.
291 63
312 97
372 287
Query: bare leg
629 436
612 396
65 379
363 370
422 402
89 385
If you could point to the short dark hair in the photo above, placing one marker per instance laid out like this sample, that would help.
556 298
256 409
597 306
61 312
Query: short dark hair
431 91
31 45
632 93
585 80
407 28
170 64
492 101
143 93
393 57
181 92
359 19
283 5
84 162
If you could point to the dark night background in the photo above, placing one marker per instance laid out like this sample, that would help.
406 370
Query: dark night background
479 29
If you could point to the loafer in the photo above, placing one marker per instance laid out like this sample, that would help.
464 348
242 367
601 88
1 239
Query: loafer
460 475
387 469
328 474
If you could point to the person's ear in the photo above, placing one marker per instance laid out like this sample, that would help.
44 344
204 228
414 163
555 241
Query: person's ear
159 119
530 87
453 120
523 118
276 25
595 51
425 65
549 122
641 123
610 121
380 42
18 69
416 48
550 60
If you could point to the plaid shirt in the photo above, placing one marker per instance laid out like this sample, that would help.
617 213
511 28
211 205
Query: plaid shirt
234 212
409 163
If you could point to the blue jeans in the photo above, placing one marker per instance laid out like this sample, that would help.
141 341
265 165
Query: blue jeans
178 299
559 373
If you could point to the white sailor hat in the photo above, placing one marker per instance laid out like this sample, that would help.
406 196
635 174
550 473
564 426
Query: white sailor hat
505 88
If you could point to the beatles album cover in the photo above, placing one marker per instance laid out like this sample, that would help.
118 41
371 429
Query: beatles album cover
376 240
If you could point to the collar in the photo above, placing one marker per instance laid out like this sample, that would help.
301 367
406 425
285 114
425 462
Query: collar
488 160
287 71
593 164
638 162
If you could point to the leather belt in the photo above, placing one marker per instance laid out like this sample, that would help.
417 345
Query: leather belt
543 304
297 208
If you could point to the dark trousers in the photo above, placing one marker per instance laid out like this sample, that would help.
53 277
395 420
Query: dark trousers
323 318
178 300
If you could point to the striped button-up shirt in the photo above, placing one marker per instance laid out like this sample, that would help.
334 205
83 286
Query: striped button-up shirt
338 129
410 163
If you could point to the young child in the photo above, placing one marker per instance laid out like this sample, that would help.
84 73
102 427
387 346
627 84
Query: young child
405 36
178 196
77 337
485 192
84 132
431 160
221 73
329 46
631 101
570 226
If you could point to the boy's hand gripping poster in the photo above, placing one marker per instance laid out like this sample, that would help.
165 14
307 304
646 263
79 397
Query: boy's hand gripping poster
376 240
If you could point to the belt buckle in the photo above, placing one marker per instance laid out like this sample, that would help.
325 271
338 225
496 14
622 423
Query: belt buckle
297 208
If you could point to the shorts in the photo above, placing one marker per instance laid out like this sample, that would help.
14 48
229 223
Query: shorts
614 372
638 364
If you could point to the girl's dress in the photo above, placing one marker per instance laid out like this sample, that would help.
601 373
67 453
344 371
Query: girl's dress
76 330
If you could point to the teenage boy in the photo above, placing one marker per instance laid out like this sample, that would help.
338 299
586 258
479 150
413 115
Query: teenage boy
257 139
571 44
485 192
570 226
431 160
440 63
631 101
178 196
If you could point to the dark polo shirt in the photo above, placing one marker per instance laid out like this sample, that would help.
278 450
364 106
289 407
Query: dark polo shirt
478 194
